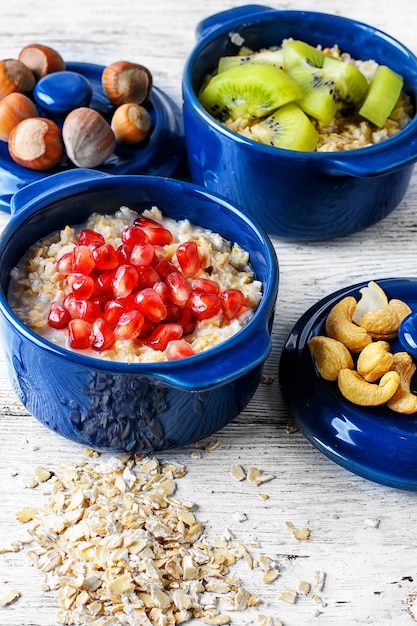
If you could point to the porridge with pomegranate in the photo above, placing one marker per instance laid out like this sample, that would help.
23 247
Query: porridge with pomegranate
135 287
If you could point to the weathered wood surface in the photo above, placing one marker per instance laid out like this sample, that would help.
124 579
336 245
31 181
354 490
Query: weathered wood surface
370 568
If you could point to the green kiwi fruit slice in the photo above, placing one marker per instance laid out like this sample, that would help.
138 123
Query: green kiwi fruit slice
271 57
250 90
383 93
350 81
298 52
321 97
289 127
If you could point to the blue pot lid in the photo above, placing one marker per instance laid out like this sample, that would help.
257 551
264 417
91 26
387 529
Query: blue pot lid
161 154
373 442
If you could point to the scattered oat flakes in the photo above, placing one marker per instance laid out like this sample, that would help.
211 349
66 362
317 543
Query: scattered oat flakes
240 516
196 454
302 534
31 482
288 595
9 597
263 496
268 621
304 587
267 380
319 580
13 546
42 475
374 523
291 429
237 472
212 445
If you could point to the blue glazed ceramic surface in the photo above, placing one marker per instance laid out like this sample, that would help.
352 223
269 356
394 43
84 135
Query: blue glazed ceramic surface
161 154
132 407
373 442
297 195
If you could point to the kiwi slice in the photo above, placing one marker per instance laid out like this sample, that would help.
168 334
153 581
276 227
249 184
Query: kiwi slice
298 52
351 83
250 90
271 57
289 127
321 97
383 93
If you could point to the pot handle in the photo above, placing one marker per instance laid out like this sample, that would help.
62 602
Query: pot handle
360 165
223 17
212 371
49 185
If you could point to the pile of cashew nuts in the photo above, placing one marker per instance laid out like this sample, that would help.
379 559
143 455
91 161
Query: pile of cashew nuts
356 351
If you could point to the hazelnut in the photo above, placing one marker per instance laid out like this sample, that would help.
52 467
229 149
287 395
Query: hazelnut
14 108
15 76
131 123
41 60
88 137
124 82
36 143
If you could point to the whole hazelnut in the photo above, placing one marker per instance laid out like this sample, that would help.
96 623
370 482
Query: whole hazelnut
124 81
41 59
131 123
88 137
15 76
14 108
36 143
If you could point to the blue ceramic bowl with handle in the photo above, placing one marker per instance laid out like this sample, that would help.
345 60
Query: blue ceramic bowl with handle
132 407
297 195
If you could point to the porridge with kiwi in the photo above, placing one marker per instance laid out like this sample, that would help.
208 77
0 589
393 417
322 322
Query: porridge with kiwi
301 97
135 287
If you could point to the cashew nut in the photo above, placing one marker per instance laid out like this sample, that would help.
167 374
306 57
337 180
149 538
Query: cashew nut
380 318
339 326
330 356
403 400
355 388
375 360
373 297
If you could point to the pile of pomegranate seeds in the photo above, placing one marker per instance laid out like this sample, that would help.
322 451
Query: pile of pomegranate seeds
134 293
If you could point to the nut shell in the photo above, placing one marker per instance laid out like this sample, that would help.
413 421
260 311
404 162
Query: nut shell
41 59
15 76
131 123
88 137
124 82
36 143
14 108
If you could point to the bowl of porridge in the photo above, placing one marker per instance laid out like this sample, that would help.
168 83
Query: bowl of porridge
258 78
136 311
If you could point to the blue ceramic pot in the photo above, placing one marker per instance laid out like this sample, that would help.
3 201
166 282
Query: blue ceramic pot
161 154
297 195
132 407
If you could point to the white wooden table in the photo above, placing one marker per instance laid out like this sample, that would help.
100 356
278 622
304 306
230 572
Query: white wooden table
363 535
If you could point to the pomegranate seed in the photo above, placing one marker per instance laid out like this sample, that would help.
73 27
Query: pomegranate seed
160 253
141 220
158 235
188 258
105 257
173 312
133 235
69 298
104 283
146 330
178 349
163 334
142 254
112 312
80 335
90 237
164 268
151 305
83 260
103 335
124 281
58 316
129 325
179 288
161 289
123 253
232 301
187 320
204 305
84 310
64 264
205 285
82 285
147 276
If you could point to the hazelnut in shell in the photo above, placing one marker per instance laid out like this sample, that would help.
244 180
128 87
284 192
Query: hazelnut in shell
88 137
131 123
15 76
124 81
41 59
14 108
36 143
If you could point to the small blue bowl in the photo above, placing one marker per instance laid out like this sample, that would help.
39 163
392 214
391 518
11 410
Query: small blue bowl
297 195
160 154
132 407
